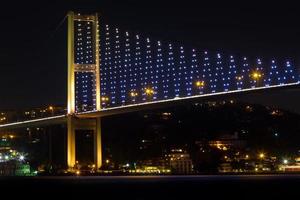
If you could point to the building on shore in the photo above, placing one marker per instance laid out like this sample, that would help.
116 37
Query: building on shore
180 161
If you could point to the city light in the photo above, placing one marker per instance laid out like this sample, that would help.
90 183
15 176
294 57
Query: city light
21 158
285 161
261 155
150 170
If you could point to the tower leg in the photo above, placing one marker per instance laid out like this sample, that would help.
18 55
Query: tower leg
98 144
71 157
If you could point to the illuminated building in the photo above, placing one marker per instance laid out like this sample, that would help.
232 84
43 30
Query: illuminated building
224 143
225 167
150 170
12 162
286 167
15 168
157 165
180 161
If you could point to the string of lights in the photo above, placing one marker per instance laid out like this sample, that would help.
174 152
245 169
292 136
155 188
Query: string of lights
136 69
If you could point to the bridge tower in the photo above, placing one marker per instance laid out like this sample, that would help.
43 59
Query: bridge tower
83 61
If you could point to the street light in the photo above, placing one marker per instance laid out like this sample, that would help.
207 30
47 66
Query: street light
51 109
21 158
261 155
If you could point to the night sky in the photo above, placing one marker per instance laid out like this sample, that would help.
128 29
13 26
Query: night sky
33 69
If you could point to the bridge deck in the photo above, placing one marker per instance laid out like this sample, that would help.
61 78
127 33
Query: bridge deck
35 122
178 100
60 119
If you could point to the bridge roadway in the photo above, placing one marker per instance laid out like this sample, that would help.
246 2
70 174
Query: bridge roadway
61 119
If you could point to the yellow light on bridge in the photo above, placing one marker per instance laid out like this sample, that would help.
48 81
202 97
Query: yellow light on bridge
104 99
200 83
149 91
256 75
51 108
133 94
239 78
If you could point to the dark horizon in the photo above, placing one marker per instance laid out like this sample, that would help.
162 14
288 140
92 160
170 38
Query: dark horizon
33 51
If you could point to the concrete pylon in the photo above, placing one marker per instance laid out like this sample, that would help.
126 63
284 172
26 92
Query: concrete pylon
75 124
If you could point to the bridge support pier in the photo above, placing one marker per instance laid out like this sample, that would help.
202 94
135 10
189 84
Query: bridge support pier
74 124
98 144
71 154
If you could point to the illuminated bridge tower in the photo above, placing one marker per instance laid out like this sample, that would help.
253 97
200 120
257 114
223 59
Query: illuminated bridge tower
83 81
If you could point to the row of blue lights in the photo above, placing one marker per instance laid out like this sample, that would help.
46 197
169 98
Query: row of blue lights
136 69
131 64
84 54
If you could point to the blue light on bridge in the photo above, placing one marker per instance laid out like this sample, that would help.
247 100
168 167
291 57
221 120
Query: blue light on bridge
136 69
84 54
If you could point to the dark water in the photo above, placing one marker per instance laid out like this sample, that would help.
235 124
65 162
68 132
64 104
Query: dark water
156 187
